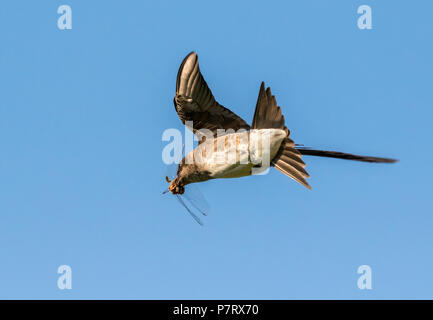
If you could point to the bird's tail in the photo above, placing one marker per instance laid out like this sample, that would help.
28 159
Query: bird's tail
289 157
342 155
289 161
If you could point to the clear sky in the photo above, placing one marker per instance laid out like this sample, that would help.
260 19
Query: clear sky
82 113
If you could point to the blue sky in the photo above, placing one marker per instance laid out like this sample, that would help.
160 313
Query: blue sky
82 113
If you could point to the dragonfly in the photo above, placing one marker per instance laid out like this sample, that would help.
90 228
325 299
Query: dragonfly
192 199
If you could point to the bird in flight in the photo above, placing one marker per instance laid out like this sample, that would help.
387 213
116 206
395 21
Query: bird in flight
223 135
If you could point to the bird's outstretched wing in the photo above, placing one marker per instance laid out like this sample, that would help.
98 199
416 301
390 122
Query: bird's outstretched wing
268 115
194 102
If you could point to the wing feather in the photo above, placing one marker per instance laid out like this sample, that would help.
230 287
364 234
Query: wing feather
268 115
195 102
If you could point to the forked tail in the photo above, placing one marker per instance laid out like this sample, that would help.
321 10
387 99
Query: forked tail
288 159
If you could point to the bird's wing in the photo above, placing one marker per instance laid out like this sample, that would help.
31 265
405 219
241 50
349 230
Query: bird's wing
268 115
194 102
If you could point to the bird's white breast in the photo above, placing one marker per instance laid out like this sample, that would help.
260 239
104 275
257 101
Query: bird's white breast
238 154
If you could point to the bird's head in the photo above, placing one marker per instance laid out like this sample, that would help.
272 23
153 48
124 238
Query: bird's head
175 187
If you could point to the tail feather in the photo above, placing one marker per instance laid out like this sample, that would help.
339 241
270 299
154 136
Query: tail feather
292 153
342 155
288 161
296 164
